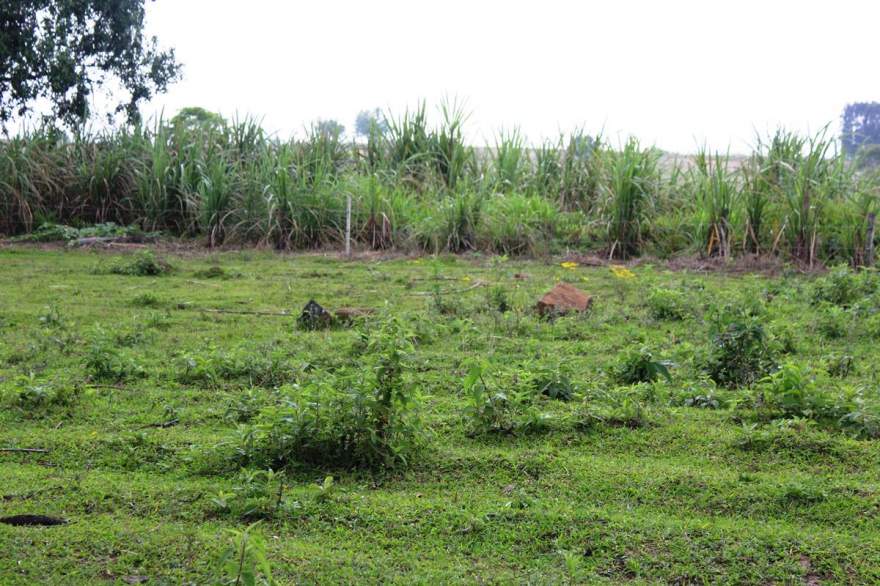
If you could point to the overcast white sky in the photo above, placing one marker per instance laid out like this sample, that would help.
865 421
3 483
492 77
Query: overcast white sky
674 73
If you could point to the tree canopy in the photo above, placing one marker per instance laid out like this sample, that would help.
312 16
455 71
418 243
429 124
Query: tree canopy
860 126
58 53
366 119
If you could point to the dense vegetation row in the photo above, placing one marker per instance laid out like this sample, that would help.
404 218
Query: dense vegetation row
418 185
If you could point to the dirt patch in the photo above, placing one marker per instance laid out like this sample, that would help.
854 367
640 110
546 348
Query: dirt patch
767 265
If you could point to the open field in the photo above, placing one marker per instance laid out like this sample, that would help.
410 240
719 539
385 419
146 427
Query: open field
509 448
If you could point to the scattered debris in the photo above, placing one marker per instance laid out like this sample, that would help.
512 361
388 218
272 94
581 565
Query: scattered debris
32 520
521 276
562 299
314 317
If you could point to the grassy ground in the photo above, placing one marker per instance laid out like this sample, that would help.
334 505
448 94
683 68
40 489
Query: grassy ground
122 379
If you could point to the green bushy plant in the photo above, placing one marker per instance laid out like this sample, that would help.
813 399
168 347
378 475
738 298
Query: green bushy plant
245 561
844 287
363 420
553 382
741 352
619 408
143 264
795 390
108 363
637 365
667 304
832 321
491 410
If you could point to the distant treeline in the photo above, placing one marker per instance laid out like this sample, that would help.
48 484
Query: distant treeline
417 185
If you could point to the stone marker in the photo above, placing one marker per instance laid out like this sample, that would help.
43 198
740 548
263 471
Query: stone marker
562 299
314 317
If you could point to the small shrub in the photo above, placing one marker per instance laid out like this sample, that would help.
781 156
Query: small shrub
144 264
52 318
245 561
862 415
637 365
621 411
109 364
215 272
843 287
832 322
490 410
498 299
796 391
740 354
146 300
554 383
840 366
244 407
35 399
667 304
256 494
367 421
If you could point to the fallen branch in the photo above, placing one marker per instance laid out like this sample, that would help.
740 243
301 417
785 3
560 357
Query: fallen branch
29 450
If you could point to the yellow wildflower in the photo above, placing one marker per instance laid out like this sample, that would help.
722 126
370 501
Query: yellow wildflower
622 272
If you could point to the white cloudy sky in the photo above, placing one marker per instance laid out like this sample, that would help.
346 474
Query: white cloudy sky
674 73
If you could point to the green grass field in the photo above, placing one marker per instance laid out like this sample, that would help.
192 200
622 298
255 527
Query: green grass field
144 401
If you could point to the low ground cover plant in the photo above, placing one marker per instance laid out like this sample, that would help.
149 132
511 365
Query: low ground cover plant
156 415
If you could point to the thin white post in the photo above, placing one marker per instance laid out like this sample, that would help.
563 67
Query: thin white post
348 225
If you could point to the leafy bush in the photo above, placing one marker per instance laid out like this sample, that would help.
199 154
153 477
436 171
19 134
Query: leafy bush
49 232
146 300
796 391
618 409
490 410
35 399
740 354
840 365
245 561
832 321
667 304
367 421
862 415
553 382
256 494
842 286
109 364
497 299
637 365
144 264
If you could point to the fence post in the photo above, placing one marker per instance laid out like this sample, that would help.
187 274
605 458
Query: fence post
869 240
348 225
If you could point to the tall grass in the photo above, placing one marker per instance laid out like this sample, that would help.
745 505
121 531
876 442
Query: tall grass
510 162
418 184
630 184
717 193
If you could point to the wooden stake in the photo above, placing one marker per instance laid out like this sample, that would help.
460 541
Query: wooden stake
348 226
869 240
